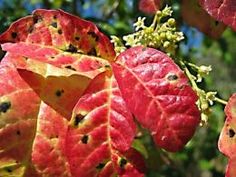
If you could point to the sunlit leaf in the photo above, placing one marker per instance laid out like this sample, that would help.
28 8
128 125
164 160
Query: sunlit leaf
158 94
105 132
61 88
49 144
19 106
51 34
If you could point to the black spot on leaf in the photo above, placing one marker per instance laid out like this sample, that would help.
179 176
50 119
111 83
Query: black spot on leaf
72 49
14 35
54 24
93 35
107 66
172 77
216 23
59 31
18 132
92 52
84 139
58 93
122 162
77 38
70 67
78 118
4 106
231 133
8 170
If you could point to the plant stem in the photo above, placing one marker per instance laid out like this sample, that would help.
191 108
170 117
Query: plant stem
219 100
194 84
154 21
190 76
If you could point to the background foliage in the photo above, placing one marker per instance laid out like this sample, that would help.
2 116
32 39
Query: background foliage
201 157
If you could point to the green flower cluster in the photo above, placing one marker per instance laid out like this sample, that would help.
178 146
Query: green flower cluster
159 35
205 98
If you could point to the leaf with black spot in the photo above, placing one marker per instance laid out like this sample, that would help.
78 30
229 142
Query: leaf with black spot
227 141
107 119
61 88
172 77
63 33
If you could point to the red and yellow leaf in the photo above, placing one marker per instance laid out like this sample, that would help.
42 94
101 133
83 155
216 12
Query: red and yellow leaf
191 13
19 106
51 58
223 11
227 140
61 88
105 132
38 141
158 94
75 62
52 34
49 145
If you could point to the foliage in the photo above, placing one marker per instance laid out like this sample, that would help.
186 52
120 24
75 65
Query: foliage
101 110
46 74
227 137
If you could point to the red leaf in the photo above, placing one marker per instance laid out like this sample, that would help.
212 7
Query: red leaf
223 11
231 170
53 34
99 144
149 6
18 111
157 93
39 138
105 132
227 140
58 147
195 16
49 144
